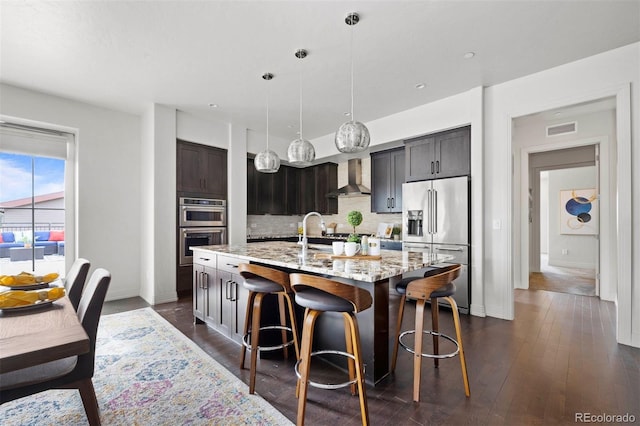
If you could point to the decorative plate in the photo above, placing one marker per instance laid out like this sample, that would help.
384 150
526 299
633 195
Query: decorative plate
35 306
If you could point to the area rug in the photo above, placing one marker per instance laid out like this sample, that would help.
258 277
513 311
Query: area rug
148 373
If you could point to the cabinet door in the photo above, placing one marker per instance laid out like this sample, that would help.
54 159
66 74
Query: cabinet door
397 163
292 182
307 190
381 182
224 310
420 159
189 174
252 185
326 181
199 292
453 154
214 172
209 279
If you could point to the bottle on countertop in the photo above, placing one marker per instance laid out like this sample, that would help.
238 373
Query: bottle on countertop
364 245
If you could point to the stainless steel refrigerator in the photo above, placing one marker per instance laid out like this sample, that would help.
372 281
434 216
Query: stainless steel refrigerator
435 216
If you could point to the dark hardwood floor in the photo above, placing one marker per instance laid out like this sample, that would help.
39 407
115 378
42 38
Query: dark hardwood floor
558 357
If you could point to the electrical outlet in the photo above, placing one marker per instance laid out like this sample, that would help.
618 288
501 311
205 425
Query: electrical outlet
565 251
292 225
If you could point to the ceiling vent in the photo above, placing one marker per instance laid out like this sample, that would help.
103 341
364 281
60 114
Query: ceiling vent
562 129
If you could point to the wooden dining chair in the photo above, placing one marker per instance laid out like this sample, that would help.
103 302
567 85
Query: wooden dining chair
75 280
69 373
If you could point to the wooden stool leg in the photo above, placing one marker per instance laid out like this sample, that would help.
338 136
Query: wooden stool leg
294 327
349 345
435 313
304 321
305 362
396 341
247 322
417 356
463 361
354 332
283 323
255 339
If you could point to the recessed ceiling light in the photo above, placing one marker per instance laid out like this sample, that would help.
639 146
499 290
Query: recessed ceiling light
558 114
347 113
290 126
213 105
420 86
469 55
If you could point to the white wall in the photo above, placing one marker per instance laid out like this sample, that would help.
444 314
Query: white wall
108 180
581 250
614 73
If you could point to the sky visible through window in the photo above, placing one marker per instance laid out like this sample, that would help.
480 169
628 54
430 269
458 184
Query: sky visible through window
15 176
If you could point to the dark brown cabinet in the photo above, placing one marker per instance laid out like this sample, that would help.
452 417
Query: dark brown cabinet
292 191
441 155
202 171
271 193
387 177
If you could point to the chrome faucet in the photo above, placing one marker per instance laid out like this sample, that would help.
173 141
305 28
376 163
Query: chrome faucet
303 242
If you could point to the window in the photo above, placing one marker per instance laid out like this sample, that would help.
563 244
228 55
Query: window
36 200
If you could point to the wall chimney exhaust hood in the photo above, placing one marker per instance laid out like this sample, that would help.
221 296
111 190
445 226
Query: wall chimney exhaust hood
354 187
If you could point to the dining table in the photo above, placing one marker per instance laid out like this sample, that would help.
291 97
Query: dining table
31 337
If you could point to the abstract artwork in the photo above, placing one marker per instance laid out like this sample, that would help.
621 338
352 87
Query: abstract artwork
579 212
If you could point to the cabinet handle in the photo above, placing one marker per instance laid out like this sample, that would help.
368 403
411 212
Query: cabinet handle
232 265
393 202
438 166
388 202
205 259
234 287
204 183
226 289
432 167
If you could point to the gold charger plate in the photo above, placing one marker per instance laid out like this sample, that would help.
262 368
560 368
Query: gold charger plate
34 306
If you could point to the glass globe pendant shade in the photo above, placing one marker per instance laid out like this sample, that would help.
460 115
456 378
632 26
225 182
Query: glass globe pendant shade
267 161
352 136
301 152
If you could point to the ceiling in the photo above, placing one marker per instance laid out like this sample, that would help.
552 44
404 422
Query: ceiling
126 55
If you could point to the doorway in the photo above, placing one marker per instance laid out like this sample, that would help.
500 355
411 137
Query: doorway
567 223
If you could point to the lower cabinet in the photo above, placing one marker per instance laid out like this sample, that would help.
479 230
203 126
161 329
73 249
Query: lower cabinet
219 298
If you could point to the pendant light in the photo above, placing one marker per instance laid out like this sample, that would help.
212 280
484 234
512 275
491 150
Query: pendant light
352 136
301 151
267 161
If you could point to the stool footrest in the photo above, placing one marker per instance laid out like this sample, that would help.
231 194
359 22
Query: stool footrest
429 355
329 385
246 338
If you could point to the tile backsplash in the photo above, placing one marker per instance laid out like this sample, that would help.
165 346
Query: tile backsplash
269 225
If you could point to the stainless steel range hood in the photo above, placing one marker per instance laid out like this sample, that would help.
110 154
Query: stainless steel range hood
354 187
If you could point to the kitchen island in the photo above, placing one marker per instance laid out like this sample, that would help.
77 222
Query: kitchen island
219 299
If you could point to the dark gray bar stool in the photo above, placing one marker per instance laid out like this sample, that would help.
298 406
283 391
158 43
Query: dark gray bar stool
260 281
318 295
437 283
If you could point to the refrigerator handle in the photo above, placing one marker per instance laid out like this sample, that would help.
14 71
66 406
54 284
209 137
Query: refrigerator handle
428 215
435 211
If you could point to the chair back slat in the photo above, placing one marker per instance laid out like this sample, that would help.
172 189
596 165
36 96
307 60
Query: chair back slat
75 280
423 287
360 298
250 270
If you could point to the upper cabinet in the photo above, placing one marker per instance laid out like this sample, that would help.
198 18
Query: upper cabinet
201 170
387 177
441 155
292 191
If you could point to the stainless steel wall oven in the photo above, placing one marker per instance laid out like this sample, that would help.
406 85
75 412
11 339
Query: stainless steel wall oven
201 222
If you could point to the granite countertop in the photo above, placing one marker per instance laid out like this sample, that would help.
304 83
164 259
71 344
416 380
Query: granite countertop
288 255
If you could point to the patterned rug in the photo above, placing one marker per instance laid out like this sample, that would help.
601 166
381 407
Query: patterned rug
148 373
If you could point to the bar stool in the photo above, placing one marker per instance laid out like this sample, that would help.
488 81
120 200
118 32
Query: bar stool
437 283
261 281
318 295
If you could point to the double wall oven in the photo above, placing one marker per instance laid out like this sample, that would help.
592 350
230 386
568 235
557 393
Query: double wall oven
201 222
